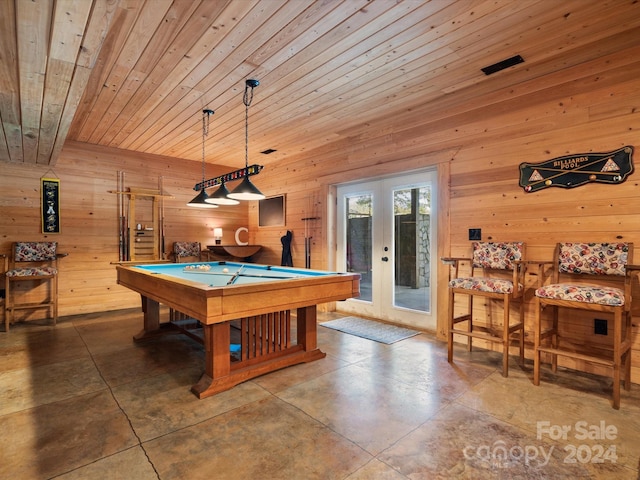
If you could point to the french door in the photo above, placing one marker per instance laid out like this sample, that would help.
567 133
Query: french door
386 232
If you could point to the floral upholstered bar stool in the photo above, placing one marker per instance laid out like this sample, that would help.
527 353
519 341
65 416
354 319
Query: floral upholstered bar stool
185 250
587 279
32 263
496 274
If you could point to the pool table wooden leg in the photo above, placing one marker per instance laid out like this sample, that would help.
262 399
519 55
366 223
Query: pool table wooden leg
151 328
307 328
217 338
221 375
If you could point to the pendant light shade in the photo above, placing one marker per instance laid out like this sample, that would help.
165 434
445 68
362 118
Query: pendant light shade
246 191
221 197
199 201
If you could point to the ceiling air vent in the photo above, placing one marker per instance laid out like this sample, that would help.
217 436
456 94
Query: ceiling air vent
496 67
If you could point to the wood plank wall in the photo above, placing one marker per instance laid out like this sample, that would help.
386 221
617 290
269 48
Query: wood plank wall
89 217
476 146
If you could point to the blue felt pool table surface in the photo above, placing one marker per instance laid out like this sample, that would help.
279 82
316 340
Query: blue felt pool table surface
220 274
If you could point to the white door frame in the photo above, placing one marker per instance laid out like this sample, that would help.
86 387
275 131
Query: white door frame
422 320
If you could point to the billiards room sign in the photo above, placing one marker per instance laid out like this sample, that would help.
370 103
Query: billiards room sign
575 170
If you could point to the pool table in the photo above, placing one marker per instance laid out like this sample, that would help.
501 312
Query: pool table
256 299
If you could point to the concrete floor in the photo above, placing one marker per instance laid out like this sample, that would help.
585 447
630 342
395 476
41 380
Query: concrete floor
82 401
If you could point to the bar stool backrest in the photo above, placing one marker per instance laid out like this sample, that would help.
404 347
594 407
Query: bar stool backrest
593 258
186 249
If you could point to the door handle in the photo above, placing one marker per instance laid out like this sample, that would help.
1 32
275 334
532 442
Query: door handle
385 259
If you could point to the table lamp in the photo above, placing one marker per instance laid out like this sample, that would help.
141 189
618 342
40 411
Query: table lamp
217 233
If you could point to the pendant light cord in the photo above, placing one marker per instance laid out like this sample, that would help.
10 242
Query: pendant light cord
205 131
247 99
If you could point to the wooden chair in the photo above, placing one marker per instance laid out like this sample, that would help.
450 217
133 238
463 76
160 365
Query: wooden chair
497 273
593 278
32 263
184 250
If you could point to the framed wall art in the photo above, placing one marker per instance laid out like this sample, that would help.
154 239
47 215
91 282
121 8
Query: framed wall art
271 211
50 205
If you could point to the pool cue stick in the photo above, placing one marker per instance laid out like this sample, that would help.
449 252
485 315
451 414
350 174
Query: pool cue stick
123 219
577 171
127 245
564 172
306 244
312 210
160 187
235 276
119 220
120 227
307 241
249 275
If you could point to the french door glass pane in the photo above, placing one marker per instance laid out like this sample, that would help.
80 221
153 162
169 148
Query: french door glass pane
412 227
359 213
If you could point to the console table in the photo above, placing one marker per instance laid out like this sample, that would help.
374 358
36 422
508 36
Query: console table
237 251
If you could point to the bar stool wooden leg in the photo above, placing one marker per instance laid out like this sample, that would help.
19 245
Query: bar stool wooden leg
536 343
450 328
626 342
617 357
8 311
522 329
505 338
554 340
470 324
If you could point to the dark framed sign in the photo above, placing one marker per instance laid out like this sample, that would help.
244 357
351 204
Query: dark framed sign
271 211
50 205
575 170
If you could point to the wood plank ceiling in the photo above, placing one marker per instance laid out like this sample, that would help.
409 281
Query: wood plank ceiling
136 74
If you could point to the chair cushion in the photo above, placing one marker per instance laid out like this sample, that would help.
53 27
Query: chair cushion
31 271
186 249
582 293
34 251
593 258
497 255
483 284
